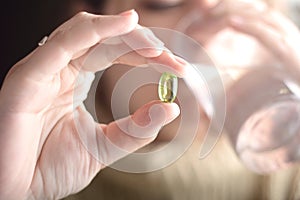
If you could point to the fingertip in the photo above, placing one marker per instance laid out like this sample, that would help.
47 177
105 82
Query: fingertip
132 14
164 112
135 17
156 111
173 111
176 109
150 52
127 13
144 42
171 63
181 65
117 25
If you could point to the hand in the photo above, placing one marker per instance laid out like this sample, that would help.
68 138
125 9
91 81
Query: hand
278 35
247 34
269 140
226 45
42 113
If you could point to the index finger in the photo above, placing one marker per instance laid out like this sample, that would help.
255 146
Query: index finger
81 32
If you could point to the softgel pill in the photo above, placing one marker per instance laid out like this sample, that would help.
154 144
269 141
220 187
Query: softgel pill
167 88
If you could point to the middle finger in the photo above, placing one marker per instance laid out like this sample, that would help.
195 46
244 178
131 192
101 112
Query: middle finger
140 47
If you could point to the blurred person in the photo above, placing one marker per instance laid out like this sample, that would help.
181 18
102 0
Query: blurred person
221 175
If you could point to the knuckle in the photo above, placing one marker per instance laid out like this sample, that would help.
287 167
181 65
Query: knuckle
81 14
59 35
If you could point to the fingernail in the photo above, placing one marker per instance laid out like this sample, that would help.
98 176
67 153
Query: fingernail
180 60
158 113
127 13
154 40
150 35
236 20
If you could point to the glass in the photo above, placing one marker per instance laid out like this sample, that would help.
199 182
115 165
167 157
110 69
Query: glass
263 123
262 107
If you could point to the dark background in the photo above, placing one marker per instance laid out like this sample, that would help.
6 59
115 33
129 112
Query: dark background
23 24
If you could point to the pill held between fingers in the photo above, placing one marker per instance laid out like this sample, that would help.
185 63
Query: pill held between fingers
167 87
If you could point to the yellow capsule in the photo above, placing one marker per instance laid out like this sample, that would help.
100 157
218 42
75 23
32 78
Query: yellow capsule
167 87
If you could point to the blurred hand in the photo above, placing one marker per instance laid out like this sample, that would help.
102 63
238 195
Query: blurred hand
42 110
275 32
261 142
246 34
257 41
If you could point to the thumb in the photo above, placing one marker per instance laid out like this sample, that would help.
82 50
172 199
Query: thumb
109 143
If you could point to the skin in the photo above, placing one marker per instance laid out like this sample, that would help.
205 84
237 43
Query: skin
42 156
234 33
234 18
33 123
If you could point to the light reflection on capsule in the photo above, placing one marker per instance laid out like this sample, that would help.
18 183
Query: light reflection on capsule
167 88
